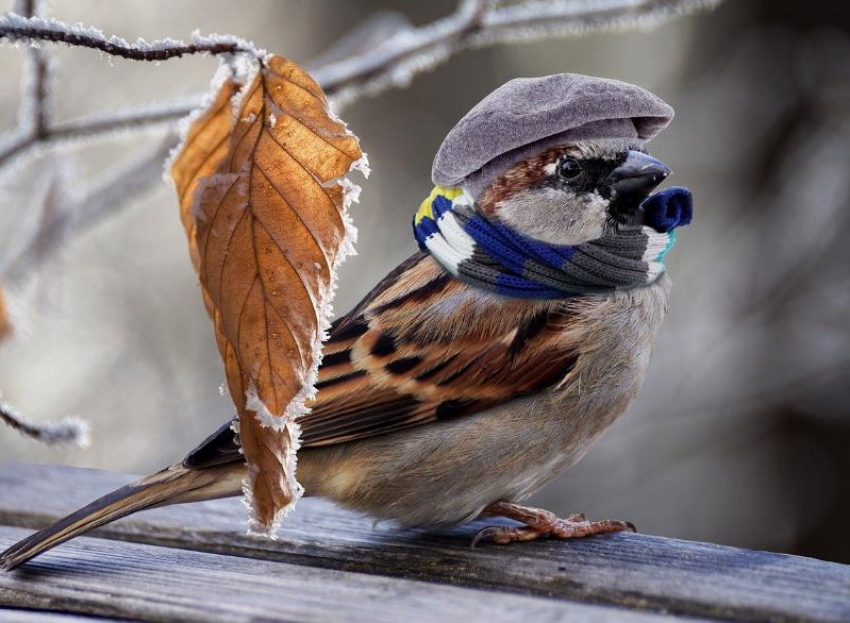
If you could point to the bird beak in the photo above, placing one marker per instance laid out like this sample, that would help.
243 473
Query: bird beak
631 182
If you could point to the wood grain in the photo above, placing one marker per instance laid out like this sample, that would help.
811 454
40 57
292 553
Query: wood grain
15 615
150 583
635 571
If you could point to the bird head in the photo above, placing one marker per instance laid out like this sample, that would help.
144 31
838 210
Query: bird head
575 192
560 158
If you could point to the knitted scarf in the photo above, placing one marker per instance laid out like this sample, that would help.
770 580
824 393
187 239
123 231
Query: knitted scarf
489 255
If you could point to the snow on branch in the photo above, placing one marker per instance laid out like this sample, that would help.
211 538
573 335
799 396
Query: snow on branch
539 19
383 53
122 120
68 431
367 35
33 108
73 213
33 127
477 24
22 28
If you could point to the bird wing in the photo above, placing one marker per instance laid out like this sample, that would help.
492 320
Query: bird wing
423 347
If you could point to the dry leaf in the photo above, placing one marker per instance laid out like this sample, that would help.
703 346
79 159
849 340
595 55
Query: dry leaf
5 322
263 200
203 148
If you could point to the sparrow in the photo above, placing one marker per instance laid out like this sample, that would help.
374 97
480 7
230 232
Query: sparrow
439 402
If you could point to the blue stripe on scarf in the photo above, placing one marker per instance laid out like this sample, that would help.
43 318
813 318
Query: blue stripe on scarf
423 229
440 206
517 287
494 243
552 255
513 264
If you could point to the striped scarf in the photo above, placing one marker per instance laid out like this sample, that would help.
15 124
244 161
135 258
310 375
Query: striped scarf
492 256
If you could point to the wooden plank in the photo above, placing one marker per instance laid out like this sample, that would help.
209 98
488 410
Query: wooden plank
15 615
97 577
635 571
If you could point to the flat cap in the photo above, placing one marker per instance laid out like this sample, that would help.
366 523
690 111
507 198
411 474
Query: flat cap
527 115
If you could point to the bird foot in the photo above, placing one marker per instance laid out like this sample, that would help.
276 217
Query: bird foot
541 522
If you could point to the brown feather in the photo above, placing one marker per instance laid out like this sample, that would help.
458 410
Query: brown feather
428 347
423 347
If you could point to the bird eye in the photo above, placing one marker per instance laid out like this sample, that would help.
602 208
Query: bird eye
569 168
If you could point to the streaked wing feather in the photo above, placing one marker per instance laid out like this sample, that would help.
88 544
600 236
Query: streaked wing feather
423 347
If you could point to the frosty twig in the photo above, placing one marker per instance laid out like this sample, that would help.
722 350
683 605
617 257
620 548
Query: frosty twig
478 24
28 28
78 211
391 62
68 431
385 52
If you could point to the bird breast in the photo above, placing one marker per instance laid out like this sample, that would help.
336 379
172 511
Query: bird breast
447 472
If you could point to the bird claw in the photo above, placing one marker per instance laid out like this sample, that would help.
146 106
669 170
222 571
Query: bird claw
502 535
566 529
542 523
483 535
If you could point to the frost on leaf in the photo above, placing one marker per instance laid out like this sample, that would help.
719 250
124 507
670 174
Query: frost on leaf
263 198
5 322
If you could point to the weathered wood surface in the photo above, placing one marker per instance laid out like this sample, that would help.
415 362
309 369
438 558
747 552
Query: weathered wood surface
624 570
98 577
15 615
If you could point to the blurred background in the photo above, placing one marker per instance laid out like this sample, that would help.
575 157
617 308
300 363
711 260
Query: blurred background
741 435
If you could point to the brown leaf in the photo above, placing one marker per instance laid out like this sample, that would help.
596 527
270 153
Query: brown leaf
5 322
263 200
203 148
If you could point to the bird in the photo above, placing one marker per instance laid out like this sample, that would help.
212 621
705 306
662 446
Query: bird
440 401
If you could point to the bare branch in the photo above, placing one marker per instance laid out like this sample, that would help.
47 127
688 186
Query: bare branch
124 182
538 19
14 143
18 143
33 113
385 52
364 37
105 196
33 110
394 61
68 431
122 120
371 62
389 59
477 24
360 40
18 27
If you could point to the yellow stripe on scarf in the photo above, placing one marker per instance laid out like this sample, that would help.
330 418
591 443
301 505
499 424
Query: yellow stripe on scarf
425 207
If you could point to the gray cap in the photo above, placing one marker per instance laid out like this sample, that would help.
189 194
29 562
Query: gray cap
527 115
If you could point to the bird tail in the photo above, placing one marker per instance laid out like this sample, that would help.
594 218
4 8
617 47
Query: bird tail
174 485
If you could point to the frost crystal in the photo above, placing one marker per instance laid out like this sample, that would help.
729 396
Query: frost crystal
395 61
222 74
287 421
68 431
